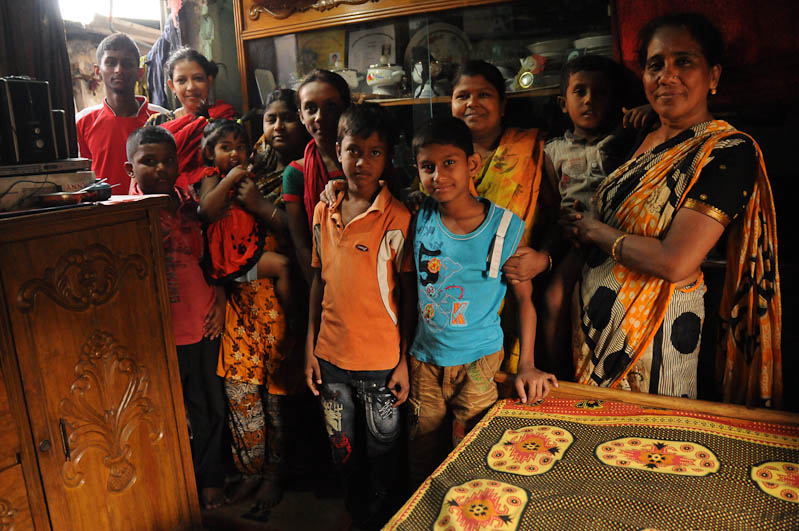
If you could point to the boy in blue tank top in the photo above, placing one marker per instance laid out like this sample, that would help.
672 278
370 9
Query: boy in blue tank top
460 244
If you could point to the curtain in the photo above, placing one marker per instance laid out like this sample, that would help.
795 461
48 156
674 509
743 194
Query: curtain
761 63
33 43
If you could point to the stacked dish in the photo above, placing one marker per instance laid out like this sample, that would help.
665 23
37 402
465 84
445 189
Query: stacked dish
594 45
555 52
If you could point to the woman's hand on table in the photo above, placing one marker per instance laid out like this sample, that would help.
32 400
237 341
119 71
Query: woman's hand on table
525 264
332 188
532 384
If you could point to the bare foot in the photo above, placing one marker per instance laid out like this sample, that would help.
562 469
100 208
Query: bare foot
269 493
243 489
212 498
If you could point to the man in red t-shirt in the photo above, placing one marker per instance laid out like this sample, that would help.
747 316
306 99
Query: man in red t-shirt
103 129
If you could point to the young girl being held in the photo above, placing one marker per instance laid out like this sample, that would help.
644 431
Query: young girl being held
233 206
322 97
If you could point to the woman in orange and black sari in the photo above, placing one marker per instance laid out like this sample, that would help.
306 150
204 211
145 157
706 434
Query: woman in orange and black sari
655 219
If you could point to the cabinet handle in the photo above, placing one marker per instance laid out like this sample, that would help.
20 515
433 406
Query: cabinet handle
62 426
45 445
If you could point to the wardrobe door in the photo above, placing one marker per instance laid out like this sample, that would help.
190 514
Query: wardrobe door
93 340
15 511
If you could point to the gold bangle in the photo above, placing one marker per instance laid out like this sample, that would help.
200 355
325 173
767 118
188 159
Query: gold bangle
274 211
549 257
616 244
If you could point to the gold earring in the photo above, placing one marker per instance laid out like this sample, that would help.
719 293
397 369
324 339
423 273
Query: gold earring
713 90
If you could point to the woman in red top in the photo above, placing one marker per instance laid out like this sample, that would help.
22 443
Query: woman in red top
190 76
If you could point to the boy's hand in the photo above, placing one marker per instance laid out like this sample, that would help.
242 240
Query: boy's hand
313 375
638 117
214 321
525 264
399 384
532 384
332 188
414 200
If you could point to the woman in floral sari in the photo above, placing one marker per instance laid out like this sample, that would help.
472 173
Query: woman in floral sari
655 220
262 374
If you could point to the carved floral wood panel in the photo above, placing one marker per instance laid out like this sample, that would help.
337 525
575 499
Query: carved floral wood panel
82 278
7 515
109 400
281 9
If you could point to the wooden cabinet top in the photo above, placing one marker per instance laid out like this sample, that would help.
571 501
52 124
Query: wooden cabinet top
264 18
47 222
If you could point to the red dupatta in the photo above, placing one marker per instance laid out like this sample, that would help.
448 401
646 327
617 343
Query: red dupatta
188 133
315 177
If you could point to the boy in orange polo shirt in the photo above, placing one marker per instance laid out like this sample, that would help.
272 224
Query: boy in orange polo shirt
358 322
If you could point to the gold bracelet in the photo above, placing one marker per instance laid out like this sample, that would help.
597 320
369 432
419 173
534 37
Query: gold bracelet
616 244
549 257
274 211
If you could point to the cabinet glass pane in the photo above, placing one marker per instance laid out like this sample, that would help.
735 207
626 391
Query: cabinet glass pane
413 59
409 63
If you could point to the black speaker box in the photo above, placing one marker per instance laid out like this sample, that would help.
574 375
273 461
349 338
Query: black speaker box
60 133
26 121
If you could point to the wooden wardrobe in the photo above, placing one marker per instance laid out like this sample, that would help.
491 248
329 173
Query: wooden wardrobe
92 426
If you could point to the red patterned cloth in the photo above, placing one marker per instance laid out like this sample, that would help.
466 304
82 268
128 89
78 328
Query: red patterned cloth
235 243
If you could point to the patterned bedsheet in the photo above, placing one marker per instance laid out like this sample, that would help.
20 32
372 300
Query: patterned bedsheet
593 464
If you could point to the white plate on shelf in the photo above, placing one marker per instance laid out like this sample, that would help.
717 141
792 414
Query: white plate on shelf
552 46
446 43
594 41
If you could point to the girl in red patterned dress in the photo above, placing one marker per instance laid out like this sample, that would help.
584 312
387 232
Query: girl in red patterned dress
232 203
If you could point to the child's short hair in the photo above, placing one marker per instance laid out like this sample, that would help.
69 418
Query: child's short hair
366 118
592 63
149 134
117 42
443 131
216 130
331 78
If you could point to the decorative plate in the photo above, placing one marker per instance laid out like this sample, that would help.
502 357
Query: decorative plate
446 44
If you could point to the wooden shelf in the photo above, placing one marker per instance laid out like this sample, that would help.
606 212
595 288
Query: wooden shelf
390 102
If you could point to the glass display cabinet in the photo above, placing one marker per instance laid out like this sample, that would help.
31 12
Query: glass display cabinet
405 53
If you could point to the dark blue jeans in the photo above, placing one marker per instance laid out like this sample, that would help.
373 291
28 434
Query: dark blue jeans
364 429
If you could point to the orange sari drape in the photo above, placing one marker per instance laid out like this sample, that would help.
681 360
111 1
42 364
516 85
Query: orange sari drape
750 352
511 178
